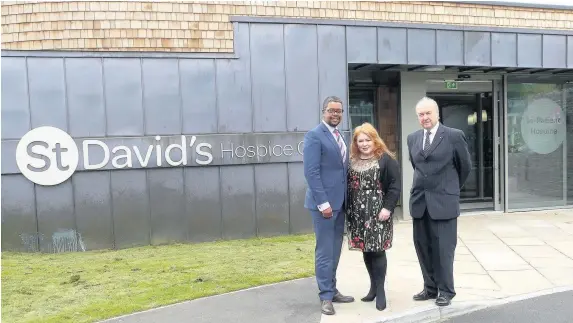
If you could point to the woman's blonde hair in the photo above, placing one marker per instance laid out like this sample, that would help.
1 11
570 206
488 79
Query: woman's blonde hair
380 147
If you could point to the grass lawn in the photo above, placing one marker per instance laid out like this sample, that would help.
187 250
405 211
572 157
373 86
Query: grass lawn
90 286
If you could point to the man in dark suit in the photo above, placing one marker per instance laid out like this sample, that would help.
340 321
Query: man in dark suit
325 160
441 162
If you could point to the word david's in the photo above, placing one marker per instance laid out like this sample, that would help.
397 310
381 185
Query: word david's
97 154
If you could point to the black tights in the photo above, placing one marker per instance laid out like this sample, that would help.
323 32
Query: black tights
376 264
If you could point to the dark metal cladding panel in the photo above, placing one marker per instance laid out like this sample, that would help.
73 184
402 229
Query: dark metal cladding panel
361 44
84 84
392 46
56 220
477 48
268 78
332 66
203 203
199 95
130 200
47 92
529 50
123 96
9 165
554 51
161 99
167 204
421 47
93 209
504 49
15 109
19 227
272 199
450 47
301 67
238 202
300 219
234 87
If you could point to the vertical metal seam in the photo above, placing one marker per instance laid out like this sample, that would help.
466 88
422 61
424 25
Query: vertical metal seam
464 48
407 47
286 124
517 50
180 94
148 188
542 65
186 218
72 182
252 109
435 47
377 46
144 114
490 49
216 85
183 207
38 240
221 223
112 212
285 79
253 114
104 102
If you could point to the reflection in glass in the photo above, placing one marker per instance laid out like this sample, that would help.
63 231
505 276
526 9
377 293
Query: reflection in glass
535 134
361 107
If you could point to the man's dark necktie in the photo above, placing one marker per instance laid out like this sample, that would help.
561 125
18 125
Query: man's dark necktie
427 143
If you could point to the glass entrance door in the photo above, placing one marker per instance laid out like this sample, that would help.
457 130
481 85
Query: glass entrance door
473 113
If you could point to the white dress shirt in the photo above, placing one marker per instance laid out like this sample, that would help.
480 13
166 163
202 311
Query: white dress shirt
326 204
432 135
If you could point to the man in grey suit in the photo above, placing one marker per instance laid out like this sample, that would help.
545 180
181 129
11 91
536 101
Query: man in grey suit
441 162
325 159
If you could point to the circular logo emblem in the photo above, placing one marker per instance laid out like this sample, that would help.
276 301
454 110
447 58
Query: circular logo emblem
543 126
47 156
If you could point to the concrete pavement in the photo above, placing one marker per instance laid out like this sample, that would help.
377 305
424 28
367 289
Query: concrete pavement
554 308
498 256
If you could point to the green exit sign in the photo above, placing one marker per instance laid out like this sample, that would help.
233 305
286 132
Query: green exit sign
452 85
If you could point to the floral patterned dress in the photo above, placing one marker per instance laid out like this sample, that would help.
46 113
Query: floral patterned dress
365 200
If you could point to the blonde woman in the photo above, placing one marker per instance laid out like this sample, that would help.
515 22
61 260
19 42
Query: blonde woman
373 192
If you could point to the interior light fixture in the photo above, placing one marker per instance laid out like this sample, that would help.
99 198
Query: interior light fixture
434 68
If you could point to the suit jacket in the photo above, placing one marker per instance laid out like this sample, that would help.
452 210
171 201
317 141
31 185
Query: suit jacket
324 170
439 174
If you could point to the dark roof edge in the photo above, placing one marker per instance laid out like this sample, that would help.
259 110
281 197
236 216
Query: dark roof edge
388 24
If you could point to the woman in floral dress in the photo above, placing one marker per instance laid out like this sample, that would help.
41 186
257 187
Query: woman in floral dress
373 192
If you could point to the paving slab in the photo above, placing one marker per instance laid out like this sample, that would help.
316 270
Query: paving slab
500 259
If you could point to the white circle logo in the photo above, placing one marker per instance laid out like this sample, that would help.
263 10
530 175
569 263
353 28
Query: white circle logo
47 156
543 126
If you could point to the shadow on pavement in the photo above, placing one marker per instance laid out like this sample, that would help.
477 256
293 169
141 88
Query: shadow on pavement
289 302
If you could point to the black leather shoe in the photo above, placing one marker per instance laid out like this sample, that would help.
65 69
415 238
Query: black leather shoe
339 298
327 308
424 296
443 301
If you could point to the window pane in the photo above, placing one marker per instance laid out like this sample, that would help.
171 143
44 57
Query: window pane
536 133
361 106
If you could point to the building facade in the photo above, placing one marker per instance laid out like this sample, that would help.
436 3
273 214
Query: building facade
184 121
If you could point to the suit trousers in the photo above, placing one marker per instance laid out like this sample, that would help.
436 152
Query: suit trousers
329 236
435 243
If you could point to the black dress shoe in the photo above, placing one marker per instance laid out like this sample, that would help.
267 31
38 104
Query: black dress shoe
424 296
443 301
339 298
327 308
